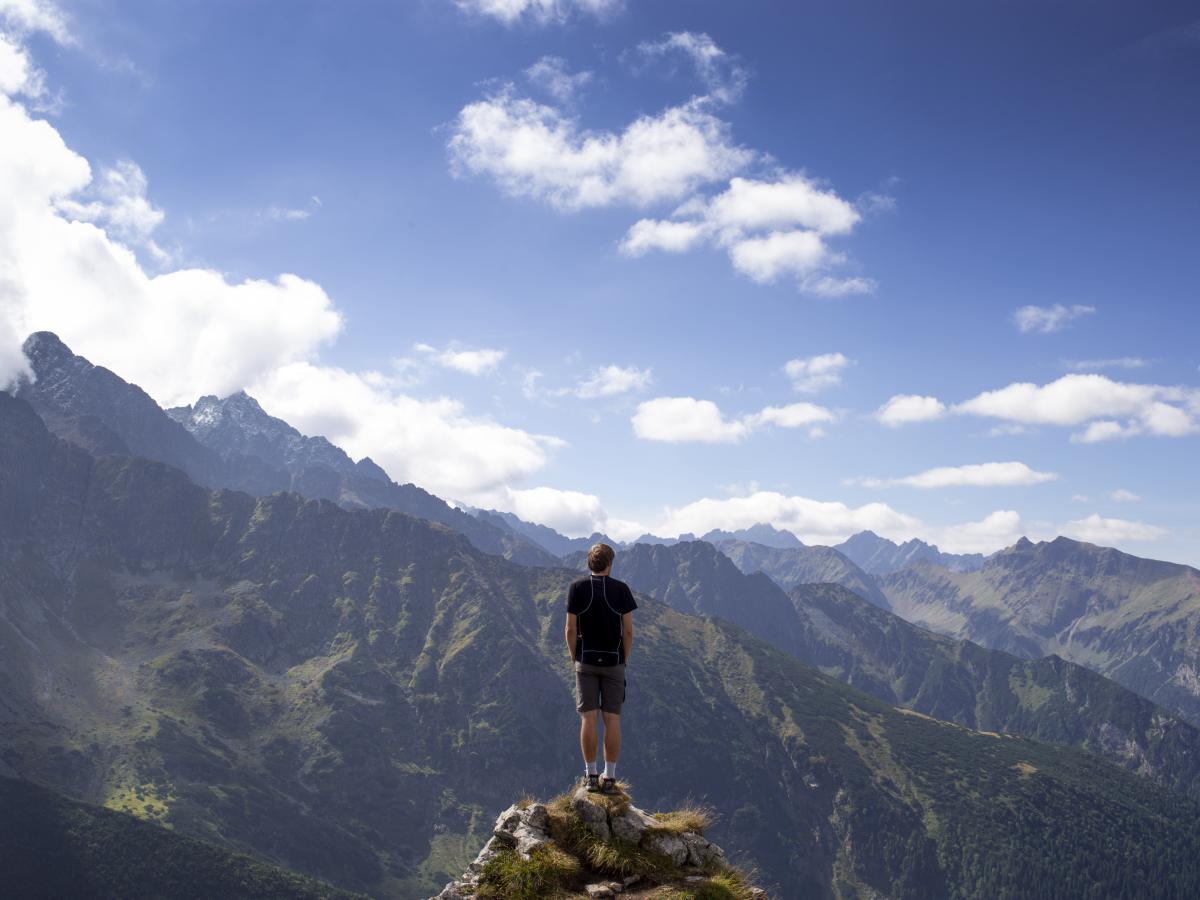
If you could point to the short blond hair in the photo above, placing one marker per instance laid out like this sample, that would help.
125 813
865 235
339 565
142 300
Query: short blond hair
600 557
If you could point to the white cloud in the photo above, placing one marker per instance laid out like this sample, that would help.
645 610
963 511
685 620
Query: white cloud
999 529
1121 362
1096 529
1121 495
995 474
814 373
551 75
18 74
793 415
684 419
1097 401
724 77
679 419
572 513
463 359
539 11
612 380
905 408
813 521
1047 319
662 234
769 228
188 332
434 443
533 150
28 16
117 200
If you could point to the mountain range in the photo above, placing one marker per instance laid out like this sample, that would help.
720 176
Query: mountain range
1134 620
338 687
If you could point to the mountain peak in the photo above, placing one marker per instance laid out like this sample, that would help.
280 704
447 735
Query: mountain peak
759 533
599 845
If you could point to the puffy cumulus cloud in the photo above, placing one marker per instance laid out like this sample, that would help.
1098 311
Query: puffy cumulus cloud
610 381
770 229
905 408
433 443
813 521
179 333
18 74
463 359
681 419
686 419
1096 529
815 373
551 75
1048 319
1110 409
995 474
533 150
723 76
538 11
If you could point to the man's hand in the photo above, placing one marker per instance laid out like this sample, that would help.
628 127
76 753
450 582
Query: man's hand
569 634
627 634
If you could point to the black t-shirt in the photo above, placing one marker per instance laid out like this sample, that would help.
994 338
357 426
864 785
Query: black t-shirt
599 602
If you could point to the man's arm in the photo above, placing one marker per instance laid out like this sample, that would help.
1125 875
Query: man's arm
570 634
627 634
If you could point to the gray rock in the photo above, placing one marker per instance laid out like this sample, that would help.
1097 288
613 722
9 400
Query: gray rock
628 827
599 890
593 816
701 852
668 845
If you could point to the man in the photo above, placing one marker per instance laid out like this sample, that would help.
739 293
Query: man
599 636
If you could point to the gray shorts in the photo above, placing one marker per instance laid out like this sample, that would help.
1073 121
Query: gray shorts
599 687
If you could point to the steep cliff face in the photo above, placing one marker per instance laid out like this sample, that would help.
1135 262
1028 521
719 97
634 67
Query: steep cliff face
1134 620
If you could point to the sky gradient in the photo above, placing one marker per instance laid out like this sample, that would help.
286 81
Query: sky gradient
928 268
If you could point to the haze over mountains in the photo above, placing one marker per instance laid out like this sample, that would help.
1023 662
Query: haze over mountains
212 622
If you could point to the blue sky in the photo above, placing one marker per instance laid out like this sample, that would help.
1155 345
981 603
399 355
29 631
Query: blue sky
879 187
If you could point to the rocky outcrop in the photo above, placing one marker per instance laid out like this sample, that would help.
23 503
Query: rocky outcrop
525 829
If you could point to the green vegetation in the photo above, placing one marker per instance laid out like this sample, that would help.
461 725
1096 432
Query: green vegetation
52 847
546 873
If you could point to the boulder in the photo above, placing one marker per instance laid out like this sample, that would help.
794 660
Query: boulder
668 845
592 815
701 852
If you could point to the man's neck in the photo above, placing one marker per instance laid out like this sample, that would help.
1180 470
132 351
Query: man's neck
602 574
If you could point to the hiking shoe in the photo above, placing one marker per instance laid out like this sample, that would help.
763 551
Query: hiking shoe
592 782
608 786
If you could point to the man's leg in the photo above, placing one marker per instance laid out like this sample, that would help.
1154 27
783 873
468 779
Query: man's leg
612 743
589 739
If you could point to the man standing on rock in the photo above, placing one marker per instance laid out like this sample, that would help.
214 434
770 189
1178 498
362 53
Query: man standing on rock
599 637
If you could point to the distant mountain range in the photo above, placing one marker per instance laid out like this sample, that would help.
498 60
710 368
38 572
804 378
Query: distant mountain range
346 692
879 556
1135 620
791 566
835 630
230 443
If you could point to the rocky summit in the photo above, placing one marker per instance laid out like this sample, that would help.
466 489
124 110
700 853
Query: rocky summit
583 844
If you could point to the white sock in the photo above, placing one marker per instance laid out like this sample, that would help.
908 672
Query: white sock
591 767
610 769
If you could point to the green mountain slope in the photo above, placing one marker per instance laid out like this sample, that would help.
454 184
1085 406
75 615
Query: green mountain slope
54 847
830 627
347 693
1135 620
